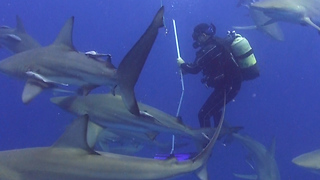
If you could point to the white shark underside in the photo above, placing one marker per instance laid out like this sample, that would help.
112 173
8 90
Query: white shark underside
60 64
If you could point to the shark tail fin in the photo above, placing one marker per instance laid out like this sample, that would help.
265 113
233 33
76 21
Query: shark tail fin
202 173
202 158
131 66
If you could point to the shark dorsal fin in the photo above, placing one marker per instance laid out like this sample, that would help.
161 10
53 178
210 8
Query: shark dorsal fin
75 136
20 27
65 35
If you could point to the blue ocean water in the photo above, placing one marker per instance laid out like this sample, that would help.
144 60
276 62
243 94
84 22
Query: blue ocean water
282 103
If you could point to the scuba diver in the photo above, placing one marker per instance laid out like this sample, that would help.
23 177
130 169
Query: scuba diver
225 63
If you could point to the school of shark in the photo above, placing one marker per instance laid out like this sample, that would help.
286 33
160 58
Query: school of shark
74 156
108 129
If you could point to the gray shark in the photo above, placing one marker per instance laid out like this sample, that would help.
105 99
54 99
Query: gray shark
265 165
70 158
16 39
310 161
59 64
260 19
108 111
304 12
129 142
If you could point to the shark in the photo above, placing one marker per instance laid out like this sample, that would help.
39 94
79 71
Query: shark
108 111
260 19
265 165
129 142
309 161
60 65
304 12
17 39
72 158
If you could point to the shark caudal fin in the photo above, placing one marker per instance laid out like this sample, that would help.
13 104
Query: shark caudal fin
204 155
132 64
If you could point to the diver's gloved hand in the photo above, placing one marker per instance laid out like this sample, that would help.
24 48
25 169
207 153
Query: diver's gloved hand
180 61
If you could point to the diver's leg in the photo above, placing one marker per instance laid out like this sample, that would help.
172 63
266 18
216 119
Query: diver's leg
210 108
231 93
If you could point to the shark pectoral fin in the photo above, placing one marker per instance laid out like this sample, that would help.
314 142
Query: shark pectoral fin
245 176
309 21
245 27
13 37
92 133
31 90
202 173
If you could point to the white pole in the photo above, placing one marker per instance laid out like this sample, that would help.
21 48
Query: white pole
176 37
181 75
181 78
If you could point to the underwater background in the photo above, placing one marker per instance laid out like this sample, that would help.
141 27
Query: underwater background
282 103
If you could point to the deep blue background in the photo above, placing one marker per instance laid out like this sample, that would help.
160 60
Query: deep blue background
283 102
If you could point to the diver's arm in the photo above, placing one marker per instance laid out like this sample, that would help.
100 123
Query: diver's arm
191 68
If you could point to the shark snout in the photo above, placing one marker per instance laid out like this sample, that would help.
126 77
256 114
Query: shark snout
5 67
9 68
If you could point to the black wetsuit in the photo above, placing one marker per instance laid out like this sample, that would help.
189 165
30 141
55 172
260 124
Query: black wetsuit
221 72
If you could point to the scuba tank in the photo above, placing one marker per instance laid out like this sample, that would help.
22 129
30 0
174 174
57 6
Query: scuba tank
243 55
243 52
